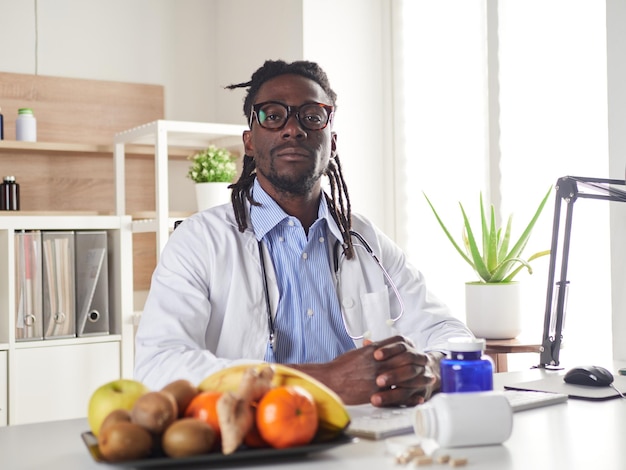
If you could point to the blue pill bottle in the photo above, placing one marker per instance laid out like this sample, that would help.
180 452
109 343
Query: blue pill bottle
465 368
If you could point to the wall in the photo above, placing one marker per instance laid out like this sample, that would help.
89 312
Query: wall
353 54
616 72
350 39
143 41
196 47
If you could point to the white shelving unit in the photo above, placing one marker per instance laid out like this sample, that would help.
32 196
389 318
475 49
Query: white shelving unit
162 135
53 378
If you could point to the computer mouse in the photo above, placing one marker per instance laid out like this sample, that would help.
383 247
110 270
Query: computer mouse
595 376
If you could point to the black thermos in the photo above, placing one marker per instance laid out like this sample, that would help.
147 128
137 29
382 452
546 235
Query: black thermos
9 194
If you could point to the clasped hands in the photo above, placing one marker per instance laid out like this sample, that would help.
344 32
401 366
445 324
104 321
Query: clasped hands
390 372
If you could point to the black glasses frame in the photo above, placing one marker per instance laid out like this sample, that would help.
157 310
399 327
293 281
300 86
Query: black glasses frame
291 110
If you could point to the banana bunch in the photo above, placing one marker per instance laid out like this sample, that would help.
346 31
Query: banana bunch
333 416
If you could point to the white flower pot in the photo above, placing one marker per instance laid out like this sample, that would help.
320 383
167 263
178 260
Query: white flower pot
493 311
211 194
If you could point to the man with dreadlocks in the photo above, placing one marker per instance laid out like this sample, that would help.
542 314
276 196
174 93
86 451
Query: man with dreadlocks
286 273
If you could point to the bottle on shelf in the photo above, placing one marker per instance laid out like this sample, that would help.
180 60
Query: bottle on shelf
9 194
26 125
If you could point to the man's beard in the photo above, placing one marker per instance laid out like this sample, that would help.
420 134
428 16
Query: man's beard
298 185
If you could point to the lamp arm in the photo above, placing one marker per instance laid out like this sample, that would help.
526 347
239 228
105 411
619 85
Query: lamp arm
567 190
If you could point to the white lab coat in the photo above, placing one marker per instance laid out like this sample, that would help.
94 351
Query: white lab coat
206 308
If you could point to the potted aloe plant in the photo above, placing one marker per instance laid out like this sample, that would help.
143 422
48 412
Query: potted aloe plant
496 260
213 170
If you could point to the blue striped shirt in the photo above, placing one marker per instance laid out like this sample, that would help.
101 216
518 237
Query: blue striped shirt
308 325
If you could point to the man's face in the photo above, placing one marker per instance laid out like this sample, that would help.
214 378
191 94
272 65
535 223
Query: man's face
293 159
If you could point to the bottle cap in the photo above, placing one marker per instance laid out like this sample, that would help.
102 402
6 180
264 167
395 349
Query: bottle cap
463 344
25 111
9 179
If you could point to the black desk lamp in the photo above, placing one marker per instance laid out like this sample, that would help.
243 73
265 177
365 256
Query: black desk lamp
569 189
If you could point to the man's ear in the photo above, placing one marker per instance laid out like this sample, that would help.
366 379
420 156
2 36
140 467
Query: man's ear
247 143
333 144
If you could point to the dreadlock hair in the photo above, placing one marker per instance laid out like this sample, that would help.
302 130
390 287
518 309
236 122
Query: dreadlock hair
339 201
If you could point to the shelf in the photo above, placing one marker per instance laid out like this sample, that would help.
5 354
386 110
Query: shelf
45 343
52 221
150 225
71 169
162 136
54 147
28 360
65 148
184 134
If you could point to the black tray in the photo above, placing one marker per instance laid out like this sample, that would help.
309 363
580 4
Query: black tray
241 456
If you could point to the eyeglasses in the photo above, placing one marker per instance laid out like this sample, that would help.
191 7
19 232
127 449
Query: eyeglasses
273 115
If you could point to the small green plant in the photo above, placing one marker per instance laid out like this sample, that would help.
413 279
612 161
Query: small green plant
497 263
212 165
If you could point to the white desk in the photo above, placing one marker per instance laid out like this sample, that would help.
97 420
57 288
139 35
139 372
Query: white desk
578 435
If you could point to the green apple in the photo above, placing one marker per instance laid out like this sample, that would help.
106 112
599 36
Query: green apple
114 395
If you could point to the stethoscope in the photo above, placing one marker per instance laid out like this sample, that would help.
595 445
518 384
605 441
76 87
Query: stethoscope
337 253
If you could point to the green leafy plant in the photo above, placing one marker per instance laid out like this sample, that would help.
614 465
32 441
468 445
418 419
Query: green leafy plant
497 263
212 165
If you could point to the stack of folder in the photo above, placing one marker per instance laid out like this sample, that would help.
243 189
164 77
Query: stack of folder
61 284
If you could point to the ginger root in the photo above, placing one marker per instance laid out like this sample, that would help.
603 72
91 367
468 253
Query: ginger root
234 409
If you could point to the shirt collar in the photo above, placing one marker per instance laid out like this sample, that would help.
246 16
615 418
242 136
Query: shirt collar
269 214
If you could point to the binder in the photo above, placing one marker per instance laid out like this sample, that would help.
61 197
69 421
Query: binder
92 283
59 306
28 286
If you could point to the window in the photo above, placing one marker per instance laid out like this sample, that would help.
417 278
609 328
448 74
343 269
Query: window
552 101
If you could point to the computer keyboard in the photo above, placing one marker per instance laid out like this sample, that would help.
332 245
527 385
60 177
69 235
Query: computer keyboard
521 400
380 423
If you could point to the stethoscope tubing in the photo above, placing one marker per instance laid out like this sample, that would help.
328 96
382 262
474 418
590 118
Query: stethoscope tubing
363 244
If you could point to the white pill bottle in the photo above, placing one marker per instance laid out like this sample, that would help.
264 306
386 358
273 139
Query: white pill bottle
465 419
26 125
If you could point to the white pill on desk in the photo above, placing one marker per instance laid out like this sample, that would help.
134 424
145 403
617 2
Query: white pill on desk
401 444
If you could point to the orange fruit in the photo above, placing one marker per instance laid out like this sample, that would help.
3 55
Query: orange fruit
204 407
287 417
253 437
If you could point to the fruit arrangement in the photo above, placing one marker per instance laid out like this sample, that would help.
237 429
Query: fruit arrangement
244 406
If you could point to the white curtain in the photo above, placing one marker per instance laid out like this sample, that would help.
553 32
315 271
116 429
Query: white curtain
552 100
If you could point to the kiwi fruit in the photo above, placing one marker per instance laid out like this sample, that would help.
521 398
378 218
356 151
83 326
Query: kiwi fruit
124 440
154 411
183 391
115 416
187 437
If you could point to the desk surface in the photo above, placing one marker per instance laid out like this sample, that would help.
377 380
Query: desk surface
575 435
